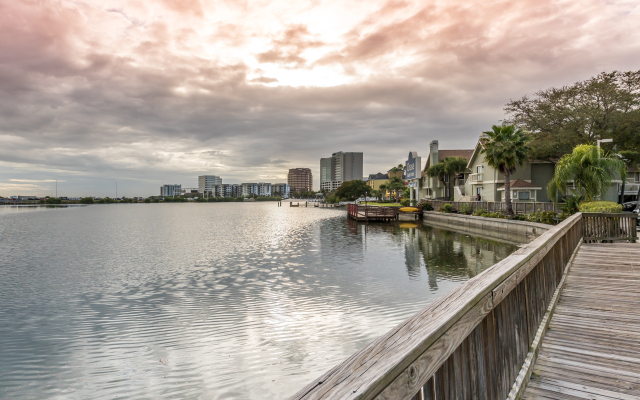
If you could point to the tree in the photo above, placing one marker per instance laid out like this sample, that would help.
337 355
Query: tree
395 185
505 148
383 188
591 171
86 200
559 119
352 190
447 167
629 158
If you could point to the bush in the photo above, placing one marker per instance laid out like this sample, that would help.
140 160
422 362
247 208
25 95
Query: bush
480 212
87 200
543 217
601 207
447 208
427 207
465 208
404 202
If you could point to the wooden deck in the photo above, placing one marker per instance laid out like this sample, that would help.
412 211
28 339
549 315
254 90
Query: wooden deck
592 347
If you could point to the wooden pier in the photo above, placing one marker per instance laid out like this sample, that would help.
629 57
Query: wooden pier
592 347
558 319
372 213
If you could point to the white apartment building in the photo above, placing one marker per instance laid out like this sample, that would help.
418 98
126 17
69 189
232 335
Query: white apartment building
170 190
262 189
281 189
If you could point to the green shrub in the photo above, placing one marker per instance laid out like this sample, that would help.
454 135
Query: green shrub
404 202
544 217
548 217
465 208
496 215
480 212
447 208
86 200
427 207
601 207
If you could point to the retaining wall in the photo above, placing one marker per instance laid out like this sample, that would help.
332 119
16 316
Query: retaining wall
502 229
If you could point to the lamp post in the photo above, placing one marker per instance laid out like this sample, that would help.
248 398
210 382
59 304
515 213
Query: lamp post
116 190
603 141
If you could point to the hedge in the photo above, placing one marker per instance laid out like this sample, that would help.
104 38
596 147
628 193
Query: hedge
601 207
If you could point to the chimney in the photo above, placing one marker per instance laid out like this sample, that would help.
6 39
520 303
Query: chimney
433 152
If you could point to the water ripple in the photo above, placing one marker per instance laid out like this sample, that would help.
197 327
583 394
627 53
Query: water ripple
207 301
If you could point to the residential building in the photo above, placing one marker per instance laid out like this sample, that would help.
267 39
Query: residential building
300 180
375 180
226 190
206 182
528 182
530 179
170 190
281 189
435 188
340 167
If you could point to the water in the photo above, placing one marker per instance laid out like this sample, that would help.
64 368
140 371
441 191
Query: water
207 301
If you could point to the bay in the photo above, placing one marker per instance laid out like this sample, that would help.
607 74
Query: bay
207 301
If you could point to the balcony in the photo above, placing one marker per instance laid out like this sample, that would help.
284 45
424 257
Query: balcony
475 178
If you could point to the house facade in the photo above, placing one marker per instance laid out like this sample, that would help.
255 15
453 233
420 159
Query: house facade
433 187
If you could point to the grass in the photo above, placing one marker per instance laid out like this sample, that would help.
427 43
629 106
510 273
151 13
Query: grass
370 203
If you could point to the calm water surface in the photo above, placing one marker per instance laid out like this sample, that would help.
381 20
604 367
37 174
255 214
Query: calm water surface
207 301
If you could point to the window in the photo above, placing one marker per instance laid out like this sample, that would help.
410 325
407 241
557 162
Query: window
479 169
479 191
446 179
523 195
637 176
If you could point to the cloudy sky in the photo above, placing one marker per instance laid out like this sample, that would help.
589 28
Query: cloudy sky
151 91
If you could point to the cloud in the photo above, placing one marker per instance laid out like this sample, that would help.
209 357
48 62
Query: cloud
144 91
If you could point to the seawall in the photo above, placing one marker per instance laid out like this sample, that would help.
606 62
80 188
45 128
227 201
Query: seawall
496 228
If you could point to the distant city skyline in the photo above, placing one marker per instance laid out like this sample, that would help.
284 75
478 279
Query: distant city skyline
162 91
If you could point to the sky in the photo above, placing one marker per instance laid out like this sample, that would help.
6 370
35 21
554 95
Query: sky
143 92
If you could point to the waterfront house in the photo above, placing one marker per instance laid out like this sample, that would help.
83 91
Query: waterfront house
434 188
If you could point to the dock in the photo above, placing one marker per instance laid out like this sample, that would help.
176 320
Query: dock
372 213
592 347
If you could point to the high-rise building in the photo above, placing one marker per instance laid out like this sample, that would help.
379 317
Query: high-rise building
300 180
340 167
170 190
206 182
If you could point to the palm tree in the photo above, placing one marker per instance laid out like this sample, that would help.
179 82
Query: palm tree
383 189
505 148
447 167
395 185
590 168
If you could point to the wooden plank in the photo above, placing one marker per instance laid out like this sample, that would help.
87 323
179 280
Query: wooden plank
370 371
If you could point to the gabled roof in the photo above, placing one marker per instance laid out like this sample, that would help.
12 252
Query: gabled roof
442 154
379 175
520 184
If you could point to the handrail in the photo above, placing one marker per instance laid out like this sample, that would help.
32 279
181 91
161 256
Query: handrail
473 340
610 227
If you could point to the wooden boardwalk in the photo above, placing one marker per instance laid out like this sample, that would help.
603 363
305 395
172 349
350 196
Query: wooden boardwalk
592 347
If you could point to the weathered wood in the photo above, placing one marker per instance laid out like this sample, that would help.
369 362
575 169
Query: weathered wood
435 344
592 347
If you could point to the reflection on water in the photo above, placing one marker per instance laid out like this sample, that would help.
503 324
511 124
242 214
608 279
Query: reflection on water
208 301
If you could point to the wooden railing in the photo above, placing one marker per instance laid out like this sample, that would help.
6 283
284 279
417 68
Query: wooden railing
470 344
609 227
492 206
